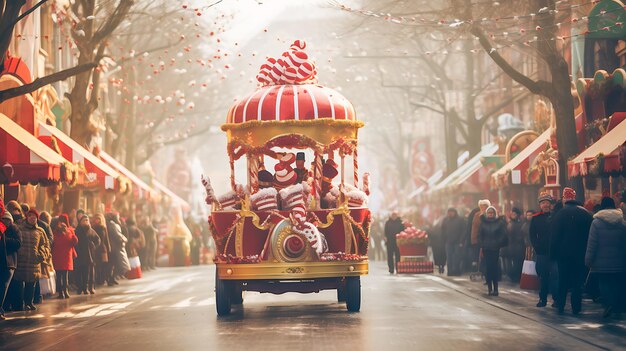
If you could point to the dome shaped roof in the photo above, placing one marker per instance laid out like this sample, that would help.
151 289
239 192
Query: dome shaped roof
291 102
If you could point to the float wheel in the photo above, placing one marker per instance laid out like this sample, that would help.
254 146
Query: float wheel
341 292
222 296
353 294
236 297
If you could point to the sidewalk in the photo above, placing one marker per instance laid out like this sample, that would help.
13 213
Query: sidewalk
588 326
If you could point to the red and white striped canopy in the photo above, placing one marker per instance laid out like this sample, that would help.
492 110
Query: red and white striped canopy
291 102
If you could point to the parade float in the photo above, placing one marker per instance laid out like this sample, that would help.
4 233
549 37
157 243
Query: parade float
413 247
297 229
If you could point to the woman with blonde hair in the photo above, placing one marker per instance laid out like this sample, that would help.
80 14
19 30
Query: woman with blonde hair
103 252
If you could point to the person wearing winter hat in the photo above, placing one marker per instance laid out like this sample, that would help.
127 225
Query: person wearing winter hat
540 233
568 246
482 205
15 210
606 251
491 238
88 243
32 253
63 252
10 243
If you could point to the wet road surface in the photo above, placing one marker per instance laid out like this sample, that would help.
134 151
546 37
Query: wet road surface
174 309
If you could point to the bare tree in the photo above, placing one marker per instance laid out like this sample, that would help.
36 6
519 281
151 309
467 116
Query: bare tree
160 79
10 14
93 22
539 38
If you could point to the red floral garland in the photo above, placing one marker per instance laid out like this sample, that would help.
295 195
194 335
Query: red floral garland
222 258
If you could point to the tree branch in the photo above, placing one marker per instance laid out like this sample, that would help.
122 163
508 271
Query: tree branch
29 11
93 99
43 81
540 87
428 107
10 10
149 51
114 20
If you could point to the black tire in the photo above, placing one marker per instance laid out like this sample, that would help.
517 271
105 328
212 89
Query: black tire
353 294
223 291
341 293
236 296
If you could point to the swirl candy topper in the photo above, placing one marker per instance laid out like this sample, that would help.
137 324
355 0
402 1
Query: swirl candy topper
293 67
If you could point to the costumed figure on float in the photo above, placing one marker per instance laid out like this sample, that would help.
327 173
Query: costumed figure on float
298 229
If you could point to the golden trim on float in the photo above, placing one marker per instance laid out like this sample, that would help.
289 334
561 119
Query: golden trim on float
301 270
324 130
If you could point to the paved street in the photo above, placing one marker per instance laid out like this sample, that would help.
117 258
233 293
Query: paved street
174 309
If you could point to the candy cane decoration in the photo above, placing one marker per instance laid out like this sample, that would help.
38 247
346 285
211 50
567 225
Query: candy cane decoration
355 164
343 168
232 174
317 178
253 173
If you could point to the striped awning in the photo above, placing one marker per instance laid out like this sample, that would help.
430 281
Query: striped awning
515 171
25 159
97 171
608 146
143 189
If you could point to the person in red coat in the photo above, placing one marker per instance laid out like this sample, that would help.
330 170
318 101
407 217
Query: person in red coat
63 254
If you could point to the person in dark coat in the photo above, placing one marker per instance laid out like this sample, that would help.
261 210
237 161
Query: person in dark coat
568 247
540 232
102 265
150 233
15 210
491 238
88 243
438 245
46 267
605 253
516 250
392 227
33 252
526 227
10 243
468 250
63 251
136 239
452 229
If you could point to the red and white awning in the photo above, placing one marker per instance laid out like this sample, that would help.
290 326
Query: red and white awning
27 159
608 146
97 170
291 102
141 187
516 170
